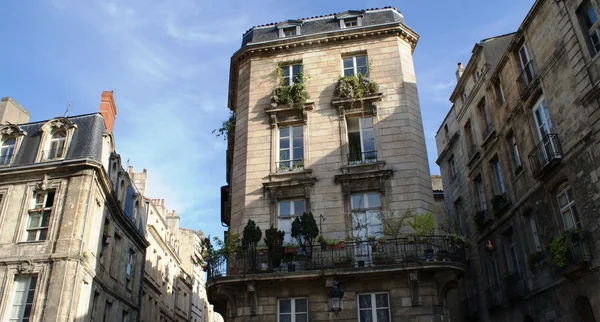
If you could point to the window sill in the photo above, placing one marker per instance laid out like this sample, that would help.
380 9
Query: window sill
30 242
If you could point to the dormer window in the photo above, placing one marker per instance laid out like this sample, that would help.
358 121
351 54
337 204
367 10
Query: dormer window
350 19
351 22
291 31
7 150
289 28
57 145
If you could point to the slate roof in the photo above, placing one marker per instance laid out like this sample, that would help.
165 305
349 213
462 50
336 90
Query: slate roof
319 24
86 141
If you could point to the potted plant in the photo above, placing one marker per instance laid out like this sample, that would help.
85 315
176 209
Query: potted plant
355 87
294 95
343 262
331 245
250 239
379 259
291 248
322 242
274 241
444 256
498 203
289 258
305 231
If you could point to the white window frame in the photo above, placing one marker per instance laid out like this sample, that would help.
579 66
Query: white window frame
282 31
292 308
498 176
293 214
355 68
7 151
479 186
543 126
514 149
291 79
534 233
129 266
374 307
371 213
363 128
57 145
357 19
293 159
452 165
592 30
45 213
569 207
499 92
20 302
524 62
513 254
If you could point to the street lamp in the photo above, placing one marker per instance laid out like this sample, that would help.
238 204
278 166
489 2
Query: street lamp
335 298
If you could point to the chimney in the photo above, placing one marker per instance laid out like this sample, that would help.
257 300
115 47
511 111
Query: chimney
12 112
459 71
108 109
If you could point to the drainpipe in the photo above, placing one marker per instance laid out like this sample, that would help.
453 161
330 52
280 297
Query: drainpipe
87 211
143 271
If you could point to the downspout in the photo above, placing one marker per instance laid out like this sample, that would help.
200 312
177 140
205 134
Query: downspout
143 272
87 211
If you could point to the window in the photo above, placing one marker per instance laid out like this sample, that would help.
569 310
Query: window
129 268
366 214
23 294
107 309
498 176
512 253
7 150
135 210
361 140
94 306
584 309
291 74
446 130
39 216
592 26
354 65
291 148
485 118
514 151
463 96
288 211
527 73
499 93
292 310
452 168
290 31
476 76
351 22
373 307
493 275
480 190
567 207
543 123
534 234
125 316
469 134
57 145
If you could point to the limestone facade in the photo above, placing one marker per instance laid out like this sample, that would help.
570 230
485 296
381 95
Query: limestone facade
326 178
525 179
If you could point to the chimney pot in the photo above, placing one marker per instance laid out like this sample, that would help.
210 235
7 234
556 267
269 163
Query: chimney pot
130 169
108 109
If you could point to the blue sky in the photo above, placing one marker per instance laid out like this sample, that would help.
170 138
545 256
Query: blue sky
168 63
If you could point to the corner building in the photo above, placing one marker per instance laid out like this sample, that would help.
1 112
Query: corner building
343 159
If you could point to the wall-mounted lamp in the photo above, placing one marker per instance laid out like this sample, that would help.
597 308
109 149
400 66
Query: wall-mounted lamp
335 296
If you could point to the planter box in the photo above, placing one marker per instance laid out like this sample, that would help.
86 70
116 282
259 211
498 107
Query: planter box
291 250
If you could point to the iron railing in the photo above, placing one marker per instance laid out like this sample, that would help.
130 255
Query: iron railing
359 254
487 131
362 157
578 252
53 154
472 151
548 150
5 159
494 296
290 165
526 77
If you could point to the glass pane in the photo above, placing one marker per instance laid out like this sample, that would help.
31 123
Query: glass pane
358 201
298 142
348 72
348 62
364 301
285 306
381 300
562 200
297 131
31 235
284 143
301 306
49 199
366 122
284 155
369 145
298 153
569 195
285 71
302 317
589 15
361 60
366 316
374 200
363 70
284 208
34 220
568 219
299 207
285 318
286 226
383 315
45 220
284 131
43 233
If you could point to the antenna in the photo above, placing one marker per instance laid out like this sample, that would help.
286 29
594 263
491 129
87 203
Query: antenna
68 108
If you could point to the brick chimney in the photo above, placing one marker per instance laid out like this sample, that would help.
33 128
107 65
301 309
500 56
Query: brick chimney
459 71
108 109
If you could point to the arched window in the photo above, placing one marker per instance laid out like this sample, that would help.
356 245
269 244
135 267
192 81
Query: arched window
57 145
7 150
584 309
566 204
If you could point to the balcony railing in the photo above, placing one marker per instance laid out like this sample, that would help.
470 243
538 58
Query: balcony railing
472 151
52 154
290 165
526 78
362 157
548 151
358 255
487 131
5 159
494 296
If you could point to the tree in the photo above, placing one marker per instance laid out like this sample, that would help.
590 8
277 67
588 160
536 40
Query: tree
250 239
423 225
274 240
305 230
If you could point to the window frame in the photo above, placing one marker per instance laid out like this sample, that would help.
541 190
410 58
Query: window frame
544 124
373 302
499 91
344 21
57 145
283 29
512 254
293 161
292 312
570 206
355 67
45 214
535 234
368 211
293 215
590 30
498 178
363 130
514 151
452 167
480 191
6 158
292 77
23 302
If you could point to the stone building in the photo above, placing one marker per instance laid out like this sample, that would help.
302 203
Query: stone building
71 231
518 155
353 156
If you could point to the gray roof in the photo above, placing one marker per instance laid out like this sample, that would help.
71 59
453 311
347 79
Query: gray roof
320 24
86 141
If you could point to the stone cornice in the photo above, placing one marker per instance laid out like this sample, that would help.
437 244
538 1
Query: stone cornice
451 141
163 244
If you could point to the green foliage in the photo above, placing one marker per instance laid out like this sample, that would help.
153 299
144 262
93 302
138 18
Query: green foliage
423 225
294 95
232 244
305 230
355 87
274 241
226 127
460 241
535 259
559 246
392 226
252 235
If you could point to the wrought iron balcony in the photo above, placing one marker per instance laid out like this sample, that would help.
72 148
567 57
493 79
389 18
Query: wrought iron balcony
578 254
494 296
487 131
472 152
290 165
5 159
53 154
526 78
362 157
347 255
545 154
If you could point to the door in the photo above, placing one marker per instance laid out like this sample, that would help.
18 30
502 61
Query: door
526 67
543 127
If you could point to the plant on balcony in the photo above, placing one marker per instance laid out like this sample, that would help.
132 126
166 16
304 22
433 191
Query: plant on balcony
559 245
423 225
459 241
511 285
392 225
343 262
355 87
227 126
250 239
305 231
535 259
294 95
379 259
274 241
291 248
